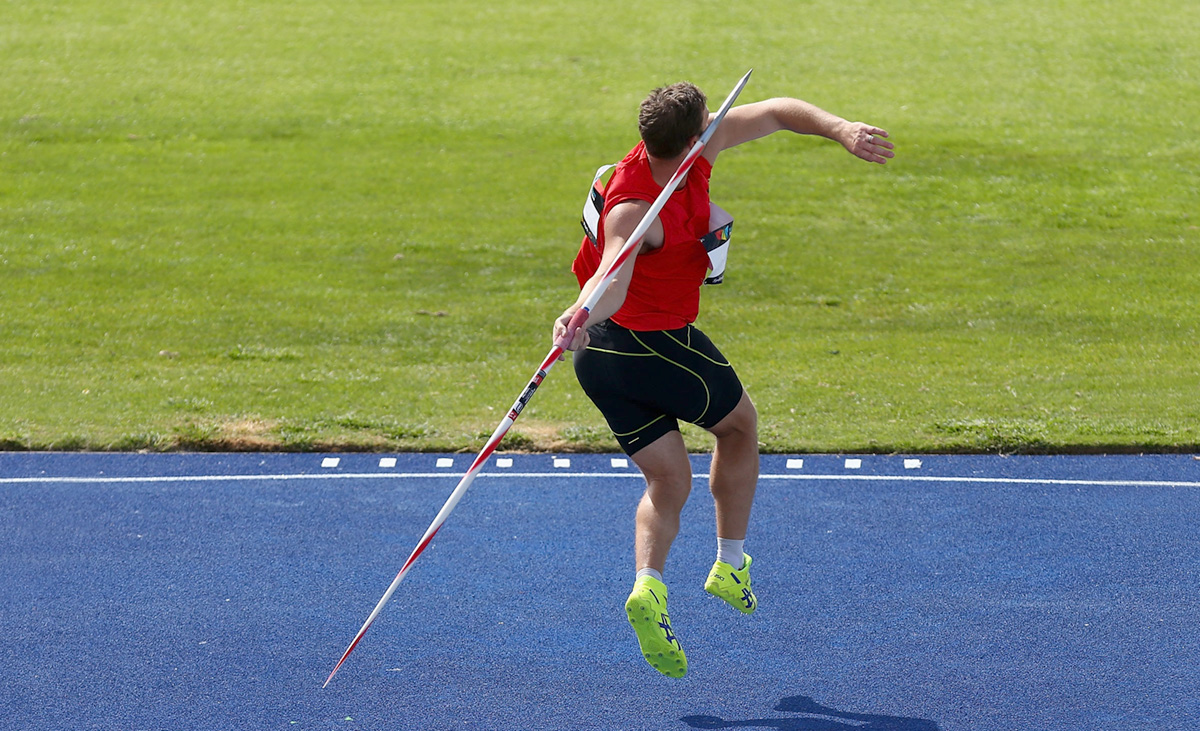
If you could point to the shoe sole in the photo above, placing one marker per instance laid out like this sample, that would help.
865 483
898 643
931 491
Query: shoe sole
735 603
662 655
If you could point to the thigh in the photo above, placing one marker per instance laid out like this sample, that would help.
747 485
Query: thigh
666 466
742 420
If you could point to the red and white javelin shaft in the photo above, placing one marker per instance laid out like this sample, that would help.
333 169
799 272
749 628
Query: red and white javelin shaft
560 346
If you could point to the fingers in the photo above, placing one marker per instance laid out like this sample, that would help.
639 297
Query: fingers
568 337
579 341
872 144
558 335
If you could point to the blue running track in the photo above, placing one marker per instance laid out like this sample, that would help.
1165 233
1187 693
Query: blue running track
207 591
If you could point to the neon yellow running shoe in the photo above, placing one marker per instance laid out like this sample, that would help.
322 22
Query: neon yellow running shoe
647 610
732 585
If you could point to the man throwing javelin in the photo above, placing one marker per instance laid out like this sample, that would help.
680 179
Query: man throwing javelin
644 364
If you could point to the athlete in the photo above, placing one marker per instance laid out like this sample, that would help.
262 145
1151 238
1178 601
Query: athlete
645 366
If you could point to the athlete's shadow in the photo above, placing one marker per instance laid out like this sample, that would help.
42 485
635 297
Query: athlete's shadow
817 718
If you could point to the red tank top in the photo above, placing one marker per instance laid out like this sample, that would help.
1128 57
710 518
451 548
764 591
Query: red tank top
664 293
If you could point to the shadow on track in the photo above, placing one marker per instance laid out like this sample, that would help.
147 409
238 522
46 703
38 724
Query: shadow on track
829 720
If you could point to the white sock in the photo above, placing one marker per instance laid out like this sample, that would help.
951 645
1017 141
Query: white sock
652 573
730 551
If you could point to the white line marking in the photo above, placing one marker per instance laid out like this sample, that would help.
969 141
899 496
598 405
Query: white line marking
331 462
619 463
445 462
795 464
301 476
853 464
912 464
504 461
561 463
984 480
387 462
577 475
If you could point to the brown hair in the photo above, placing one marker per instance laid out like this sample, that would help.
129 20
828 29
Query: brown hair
670 116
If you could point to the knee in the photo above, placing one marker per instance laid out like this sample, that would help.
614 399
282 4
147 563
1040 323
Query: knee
668 491
667 470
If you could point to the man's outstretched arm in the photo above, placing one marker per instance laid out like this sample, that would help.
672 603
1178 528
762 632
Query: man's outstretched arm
753 121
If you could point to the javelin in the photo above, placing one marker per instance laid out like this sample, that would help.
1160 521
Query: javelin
560 346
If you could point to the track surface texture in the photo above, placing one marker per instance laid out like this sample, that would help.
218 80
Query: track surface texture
897 593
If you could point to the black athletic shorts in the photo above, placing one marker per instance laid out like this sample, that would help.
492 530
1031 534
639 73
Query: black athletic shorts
644 382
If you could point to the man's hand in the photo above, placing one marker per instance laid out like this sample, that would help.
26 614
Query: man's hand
867 142
580 338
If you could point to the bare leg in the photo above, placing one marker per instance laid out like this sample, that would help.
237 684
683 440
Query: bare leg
734 474
668 473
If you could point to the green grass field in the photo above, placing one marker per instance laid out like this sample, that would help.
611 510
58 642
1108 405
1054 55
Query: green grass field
300 225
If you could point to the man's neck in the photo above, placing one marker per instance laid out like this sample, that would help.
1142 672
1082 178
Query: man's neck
664 168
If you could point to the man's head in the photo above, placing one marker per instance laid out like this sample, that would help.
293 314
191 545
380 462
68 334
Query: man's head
670 117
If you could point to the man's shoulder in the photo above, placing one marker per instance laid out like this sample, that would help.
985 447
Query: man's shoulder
632 178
